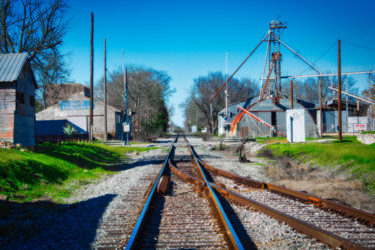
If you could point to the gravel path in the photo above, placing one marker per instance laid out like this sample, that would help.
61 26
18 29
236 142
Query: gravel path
76 224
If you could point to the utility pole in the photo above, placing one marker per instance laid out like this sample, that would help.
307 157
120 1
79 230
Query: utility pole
371 106
138 114
126 98
339 87
226 86
291 94
105 93
320 108
91 79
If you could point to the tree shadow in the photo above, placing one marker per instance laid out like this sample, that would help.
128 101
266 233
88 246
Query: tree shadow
127 166
45 224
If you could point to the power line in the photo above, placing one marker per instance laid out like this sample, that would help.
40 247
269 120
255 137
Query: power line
359 46
330 47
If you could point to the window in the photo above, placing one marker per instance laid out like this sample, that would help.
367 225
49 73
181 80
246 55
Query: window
20 98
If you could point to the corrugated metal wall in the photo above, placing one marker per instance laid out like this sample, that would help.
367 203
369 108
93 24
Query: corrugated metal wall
264 110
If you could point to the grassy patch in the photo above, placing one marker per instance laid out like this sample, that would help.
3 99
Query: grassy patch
368 132
269 140
353 157
29 175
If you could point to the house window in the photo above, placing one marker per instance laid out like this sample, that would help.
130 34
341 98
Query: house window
32 101
20 98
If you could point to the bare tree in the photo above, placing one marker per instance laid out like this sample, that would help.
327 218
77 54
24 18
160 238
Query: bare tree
36 27
308 90
205 87
148 92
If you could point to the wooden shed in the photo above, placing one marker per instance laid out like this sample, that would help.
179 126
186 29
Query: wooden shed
17 100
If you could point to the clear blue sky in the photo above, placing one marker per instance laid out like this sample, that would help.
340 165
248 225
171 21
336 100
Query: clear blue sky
189 39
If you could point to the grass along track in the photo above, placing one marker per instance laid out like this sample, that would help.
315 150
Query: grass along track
55 171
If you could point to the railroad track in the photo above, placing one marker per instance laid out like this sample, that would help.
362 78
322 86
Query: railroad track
185 219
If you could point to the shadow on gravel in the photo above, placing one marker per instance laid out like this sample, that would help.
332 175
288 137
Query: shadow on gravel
139 163
152 228
44 224
163 141
237 224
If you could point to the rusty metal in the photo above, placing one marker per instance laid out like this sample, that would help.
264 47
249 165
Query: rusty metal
186 176
364 217
237 244
132 243
306 228
163 185
267 80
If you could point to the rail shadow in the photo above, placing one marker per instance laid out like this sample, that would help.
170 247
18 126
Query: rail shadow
45 224
152 228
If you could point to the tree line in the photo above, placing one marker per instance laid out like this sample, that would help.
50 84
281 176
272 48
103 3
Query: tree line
148 92
197 106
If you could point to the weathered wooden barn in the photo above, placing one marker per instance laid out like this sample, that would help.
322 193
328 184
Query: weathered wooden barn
17 100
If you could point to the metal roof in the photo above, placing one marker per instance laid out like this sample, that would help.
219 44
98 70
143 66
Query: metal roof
11 66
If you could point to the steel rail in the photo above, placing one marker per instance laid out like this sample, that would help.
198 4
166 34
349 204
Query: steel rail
137 228
224 218
306 228
364 217
302 226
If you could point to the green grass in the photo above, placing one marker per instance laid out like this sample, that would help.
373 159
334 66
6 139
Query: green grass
56 171
270 139
368 132
353 157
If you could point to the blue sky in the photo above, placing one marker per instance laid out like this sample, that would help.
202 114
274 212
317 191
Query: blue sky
189 39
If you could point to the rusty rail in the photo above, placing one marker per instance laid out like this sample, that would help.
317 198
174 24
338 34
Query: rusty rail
364 217
304 227
138 226
220 210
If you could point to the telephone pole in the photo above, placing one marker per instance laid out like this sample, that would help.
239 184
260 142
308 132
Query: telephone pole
105 93
91 124
339 88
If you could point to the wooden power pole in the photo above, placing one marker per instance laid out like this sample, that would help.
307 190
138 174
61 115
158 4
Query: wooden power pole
320 108
105 93
91 127
339 88
291 94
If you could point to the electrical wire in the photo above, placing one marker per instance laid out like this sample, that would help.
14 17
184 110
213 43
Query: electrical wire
326 52
359 46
